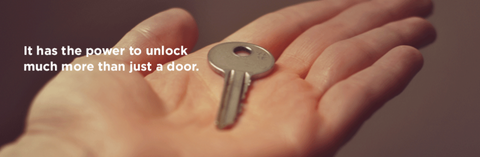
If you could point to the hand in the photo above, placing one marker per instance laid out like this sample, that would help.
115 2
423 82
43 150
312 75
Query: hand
337 62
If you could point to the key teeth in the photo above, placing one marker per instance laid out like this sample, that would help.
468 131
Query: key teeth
240 110
245 88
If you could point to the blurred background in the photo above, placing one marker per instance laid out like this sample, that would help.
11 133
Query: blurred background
436 116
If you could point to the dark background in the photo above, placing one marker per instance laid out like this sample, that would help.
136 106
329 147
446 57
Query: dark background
436 116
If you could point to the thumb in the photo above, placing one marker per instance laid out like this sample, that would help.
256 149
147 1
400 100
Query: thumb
172 28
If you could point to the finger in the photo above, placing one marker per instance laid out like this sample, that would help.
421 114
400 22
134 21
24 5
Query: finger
347 57
172 28
276 30
350 102
301 54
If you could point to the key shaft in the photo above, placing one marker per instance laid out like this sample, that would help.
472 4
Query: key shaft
236 84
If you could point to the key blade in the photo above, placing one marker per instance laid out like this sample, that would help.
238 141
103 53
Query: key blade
232 94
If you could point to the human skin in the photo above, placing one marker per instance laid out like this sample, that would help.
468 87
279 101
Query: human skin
337 62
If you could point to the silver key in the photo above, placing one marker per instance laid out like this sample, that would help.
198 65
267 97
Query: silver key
238 71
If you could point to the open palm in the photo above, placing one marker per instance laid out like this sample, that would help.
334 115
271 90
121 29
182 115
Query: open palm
337 62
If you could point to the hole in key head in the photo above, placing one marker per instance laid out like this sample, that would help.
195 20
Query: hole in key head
242 51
